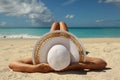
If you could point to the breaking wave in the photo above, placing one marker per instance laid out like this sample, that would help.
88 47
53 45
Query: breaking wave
21 36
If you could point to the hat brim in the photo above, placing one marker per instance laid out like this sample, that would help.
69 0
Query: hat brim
40 52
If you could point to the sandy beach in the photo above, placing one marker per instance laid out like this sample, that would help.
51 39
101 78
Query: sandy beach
105 48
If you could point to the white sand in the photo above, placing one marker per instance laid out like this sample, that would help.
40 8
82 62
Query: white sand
105 48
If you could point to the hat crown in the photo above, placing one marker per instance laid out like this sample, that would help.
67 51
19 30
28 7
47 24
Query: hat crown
58 57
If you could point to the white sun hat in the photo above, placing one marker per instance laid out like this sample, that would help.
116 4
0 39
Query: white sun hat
59 49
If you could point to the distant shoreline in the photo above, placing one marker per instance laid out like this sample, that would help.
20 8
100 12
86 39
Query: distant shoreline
85 40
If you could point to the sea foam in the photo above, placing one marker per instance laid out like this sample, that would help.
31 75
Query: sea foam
21 36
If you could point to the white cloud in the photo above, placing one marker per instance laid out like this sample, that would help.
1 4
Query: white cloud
69 16
109 1
115 2
99 20
108 21
100 1
37 12
112 1
2 23
69 2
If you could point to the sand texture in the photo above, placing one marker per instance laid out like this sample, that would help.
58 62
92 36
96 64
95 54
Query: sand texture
105 48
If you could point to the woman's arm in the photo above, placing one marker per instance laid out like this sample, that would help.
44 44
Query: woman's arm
90 63
26 65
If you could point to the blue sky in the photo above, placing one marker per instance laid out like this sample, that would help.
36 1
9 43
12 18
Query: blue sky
76 13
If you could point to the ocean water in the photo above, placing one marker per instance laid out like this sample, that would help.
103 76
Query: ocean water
80 32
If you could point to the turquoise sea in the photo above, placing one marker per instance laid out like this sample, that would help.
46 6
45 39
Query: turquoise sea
81 32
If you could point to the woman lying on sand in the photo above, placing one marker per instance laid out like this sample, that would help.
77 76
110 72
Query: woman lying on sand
26 65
